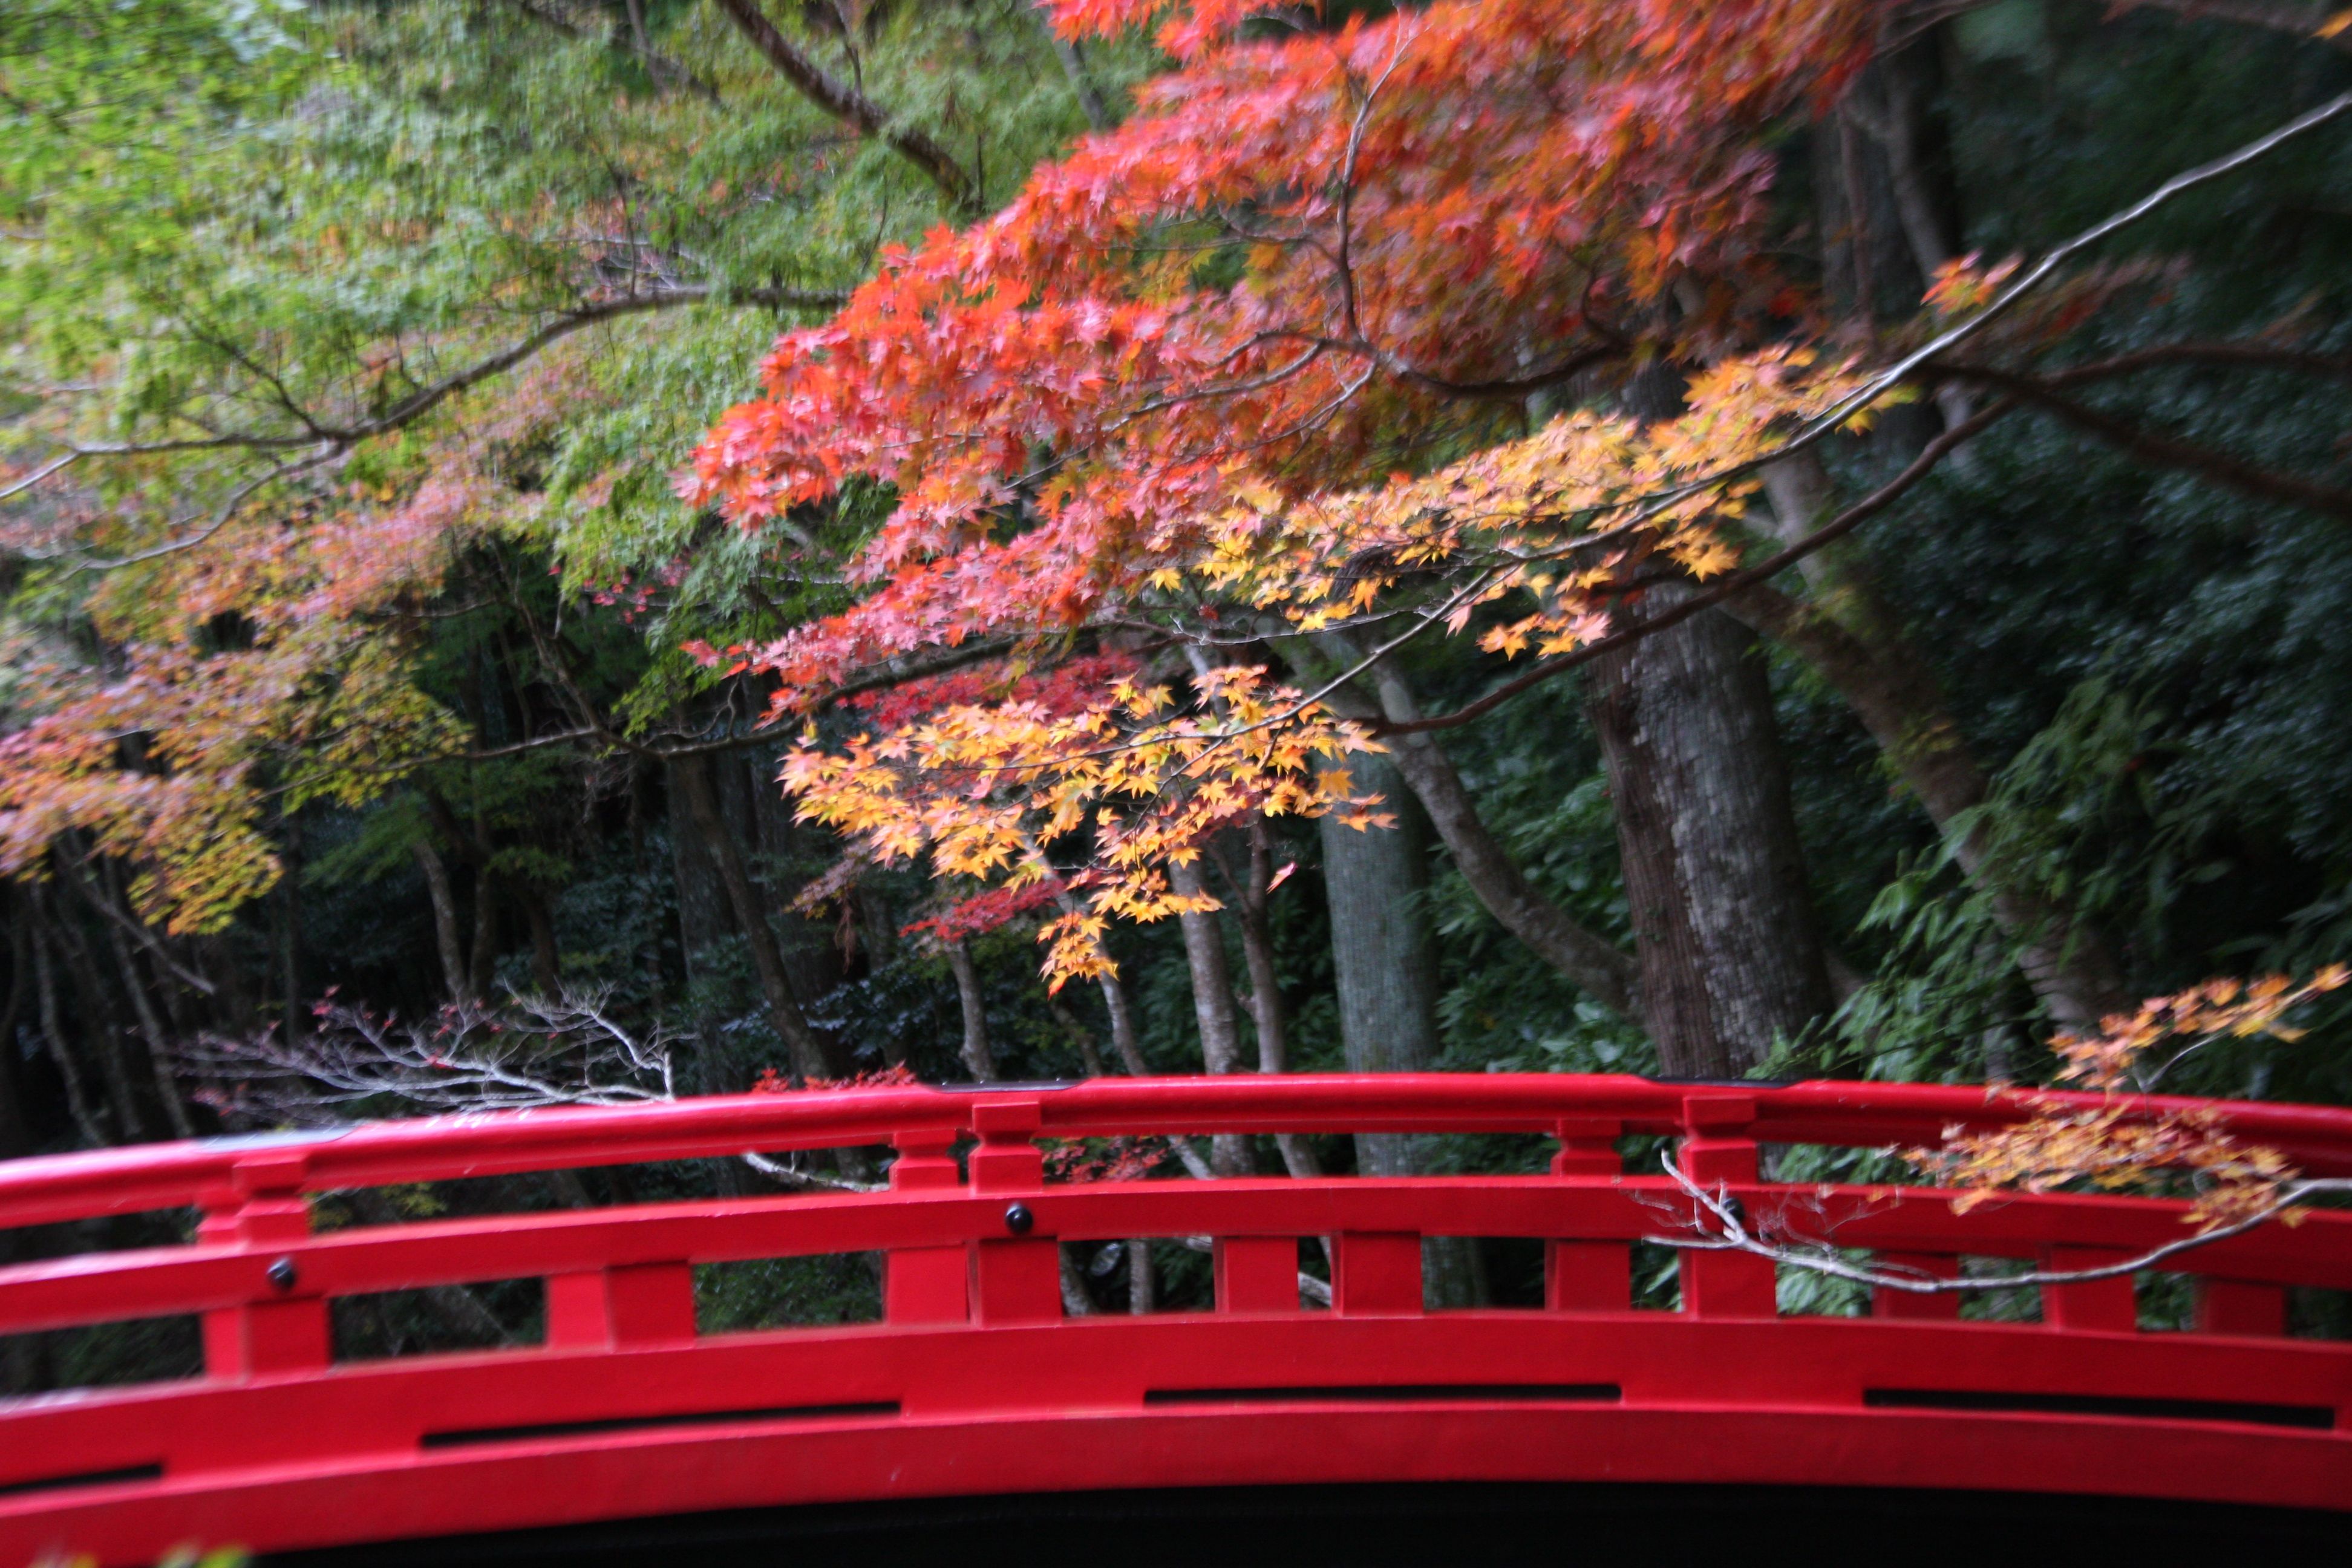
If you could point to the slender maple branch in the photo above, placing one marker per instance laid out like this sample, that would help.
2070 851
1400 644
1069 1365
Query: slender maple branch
18 487
2169 451
849 104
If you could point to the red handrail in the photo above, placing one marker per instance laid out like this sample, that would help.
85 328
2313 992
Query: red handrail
278 1444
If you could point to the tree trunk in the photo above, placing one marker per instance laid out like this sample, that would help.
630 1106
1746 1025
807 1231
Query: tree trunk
546 966
1376 880
15 1133
1593 963
1714 875
978 1060
289 928
811 1056
1268 1014
104 1027
77 1103
445 938
1212 1006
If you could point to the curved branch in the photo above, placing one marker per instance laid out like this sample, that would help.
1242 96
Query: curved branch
2169 451
849 104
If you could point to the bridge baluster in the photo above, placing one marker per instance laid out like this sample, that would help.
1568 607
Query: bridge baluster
2235 1307
1716 1151
1943 1305
285 1329
1588 1276
925 1284
1012 1280
1257 1274
635 1304
1375 1274
2104 1304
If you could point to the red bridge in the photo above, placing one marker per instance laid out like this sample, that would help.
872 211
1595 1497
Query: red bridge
627 1430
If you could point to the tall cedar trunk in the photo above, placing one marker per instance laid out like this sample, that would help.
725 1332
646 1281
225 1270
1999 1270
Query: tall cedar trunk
152 1033
481 961
812 1057
977 1060
1212 1006
1715 879
1375 880
812 958
702 925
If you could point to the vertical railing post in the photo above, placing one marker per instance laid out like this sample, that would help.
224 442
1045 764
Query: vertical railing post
2111 1305
1588 1276
286 1330
1255 1273
1376 1274
925 1284
2237 1307
1717 1151
1015 1278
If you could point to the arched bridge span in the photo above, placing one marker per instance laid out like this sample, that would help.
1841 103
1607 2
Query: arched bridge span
976 1383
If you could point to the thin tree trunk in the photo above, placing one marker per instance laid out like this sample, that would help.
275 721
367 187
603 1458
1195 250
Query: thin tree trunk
546 969
153 1033
1590 961
45 982
1268 1014
1142 1287
978 1060
1376 880
290 927
812 1058
103 1028
1122 1026
15 1133
1212 1006
445 938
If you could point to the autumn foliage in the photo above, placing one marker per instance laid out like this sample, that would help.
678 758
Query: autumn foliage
1157 399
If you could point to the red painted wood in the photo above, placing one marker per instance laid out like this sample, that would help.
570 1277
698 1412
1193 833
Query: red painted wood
1257 1274
976 1382
2109 1305
2235 1307
1374 1273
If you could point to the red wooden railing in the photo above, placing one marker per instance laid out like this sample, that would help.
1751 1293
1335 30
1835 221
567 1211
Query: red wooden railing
975 1383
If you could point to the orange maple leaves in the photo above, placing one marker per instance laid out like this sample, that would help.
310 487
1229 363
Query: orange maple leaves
2119 1143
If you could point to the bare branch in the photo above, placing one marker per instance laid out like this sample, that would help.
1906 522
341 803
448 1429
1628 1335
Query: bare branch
1720 1224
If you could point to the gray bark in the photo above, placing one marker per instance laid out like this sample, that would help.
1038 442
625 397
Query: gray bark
1213 1005
978 1060
45 982
444 899
1376 880
812 1057
1715 879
